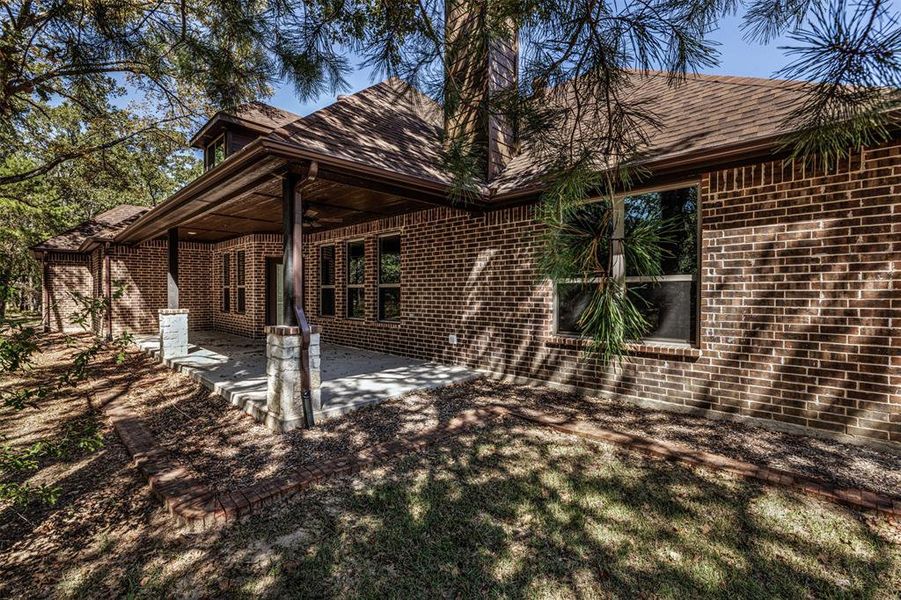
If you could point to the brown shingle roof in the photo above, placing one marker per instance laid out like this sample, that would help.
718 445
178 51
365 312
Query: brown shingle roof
264 114
388 126
701 113
102 227
391 127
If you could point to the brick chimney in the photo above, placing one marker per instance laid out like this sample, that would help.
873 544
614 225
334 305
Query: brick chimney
477 68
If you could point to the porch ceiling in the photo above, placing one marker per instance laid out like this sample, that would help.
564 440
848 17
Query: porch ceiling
243 195
327 205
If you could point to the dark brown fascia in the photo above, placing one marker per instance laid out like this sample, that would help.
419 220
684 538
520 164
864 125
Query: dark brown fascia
223 117
423 190
670 168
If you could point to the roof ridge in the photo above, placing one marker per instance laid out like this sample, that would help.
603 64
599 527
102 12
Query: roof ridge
261 104
739 80
389 82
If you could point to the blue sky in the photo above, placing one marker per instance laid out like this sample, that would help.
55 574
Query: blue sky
737 57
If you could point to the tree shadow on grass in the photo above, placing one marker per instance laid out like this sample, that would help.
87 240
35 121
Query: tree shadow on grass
506 512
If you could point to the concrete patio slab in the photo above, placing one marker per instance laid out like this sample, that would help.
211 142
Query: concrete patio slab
234 367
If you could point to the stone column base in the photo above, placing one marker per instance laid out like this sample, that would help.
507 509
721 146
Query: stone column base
284 400
173 333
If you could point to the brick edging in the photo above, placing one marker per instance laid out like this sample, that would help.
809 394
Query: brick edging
193 504
854 497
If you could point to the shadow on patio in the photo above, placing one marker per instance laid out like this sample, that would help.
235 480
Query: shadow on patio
235 368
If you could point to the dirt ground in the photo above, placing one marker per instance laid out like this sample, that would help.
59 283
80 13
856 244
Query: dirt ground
224 447
503 510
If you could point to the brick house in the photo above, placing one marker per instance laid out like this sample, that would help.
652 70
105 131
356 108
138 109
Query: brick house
785 312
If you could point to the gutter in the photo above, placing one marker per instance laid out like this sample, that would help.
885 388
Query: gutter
705 158
270 147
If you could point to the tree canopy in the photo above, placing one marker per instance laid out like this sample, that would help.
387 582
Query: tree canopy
65 68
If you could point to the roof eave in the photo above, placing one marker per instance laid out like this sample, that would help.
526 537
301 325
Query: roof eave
207 180
681 163
224 117
258 149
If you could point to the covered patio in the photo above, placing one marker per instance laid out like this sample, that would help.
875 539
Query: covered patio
242 281
235 368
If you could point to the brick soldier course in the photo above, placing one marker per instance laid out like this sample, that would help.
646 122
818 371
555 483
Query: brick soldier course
195 506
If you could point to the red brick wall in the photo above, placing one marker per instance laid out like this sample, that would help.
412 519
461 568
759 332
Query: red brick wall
142 269
799 288
256 248
68 273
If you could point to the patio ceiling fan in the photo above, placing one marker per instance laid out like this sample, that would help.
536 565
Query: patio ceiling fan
311 218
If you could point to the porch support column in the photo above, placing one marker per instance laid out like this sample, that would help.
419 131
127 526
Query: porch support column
45 292
292 248
173 320
172 271
108 285
173 333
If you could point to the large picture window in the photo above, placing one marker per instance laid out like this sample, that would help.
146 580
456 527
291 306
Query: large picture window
669 301
389 278
356 279
327 281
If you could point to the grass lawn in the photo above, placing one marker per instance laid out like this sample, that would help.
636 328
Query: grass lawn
512 511
505 510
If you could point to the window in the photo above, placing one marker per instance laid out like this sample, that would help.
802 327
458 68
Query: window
389 278
327 281
356 277
226 282
241 299
214 153
669 303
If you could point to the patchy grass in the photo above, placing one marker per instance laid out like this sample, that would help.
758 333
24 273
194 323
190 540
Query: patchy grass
512 511
505 510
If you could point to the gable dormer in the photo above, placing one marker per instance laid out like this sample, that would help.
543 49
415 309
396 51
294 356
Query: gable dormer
227 132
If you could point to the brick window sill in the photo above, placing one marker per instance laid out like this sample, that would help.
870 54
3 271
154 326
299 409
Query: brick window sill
675 350
387 323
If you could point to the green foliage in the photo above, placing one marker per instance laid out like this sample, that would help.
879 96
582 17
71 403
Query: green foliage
852 54
462 160
22 494
17 345
80 436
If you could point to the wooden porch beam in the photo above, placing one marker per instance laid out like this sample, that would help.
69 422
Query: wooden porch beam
292 245
377 213
172 270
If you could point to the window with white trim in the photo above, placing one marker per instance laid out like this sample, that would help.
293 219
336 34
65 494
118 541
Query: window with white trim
669 302
389 278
